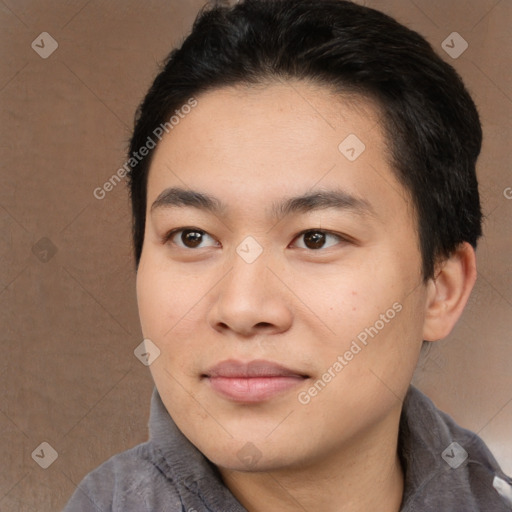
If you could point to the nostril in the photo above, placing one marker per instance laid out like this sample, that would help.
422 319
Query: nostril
263 325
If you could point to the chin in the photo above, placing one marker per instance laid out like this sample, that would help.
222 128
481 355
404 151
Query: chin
248 456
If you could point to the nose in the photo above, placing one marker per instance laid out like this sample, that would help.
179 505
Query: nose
251 300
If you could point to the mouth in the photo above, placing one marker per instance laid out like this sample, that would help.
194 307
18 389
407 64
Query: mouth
252 382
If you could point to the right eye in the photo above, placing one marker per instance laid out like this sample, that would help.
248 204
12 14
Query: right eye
190 238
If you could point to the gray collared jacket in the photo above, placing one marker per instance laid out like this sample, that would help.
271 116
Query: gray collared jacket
168 474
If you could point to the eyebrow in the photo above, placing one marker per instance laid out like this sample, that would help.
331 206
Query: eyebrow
175 196
316 200
320 200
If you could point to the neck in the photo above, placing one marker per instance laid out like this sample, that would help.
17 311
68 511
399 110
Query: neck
364 475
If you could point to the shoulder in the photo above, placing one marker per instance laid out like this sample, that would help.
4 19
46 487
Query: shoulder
129 481
448 467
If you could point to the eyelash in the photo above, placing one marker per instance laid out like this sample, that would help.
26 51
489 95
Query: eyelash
167 237
342 238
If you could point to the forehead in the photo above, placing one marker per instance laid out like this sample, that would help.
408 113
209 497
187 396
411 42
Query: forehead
270 141
294 113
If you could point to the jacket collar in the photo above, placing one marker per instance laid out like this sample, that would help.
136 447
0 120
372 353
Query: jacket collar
426 450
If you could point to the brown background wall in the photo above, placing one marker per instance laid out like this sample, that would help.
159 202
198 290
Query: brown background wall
68 316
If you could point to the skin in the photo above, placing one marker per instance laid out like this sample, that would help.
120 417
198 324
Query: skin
253 147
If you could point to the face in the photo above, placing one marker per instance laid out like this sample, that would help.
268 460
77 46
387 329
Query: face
280 276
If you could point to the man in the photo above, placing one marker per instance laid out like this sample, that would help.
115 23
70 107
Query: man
305 212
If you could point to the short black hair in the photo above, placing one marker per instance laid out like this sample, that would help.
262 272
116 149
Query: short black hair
429 119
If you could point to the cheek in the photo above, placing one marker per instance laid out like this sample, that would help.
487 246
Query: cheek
152 300
351 299
171 304
368 315
162 299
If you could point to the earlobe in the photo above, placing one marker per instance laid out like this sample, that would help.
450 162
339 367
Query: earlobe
448 292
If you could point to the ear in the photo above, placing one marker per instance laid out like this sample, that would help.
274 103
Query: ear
448 291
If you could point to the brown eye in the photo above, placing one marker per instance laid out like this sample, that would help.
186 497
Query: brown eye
191 238
315 239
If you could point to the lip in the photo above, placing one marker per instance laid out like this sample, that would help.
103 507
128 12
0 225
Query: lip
252 382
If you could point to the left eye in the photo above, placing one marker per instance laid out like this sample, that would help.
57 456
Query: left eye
316 239
191 239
